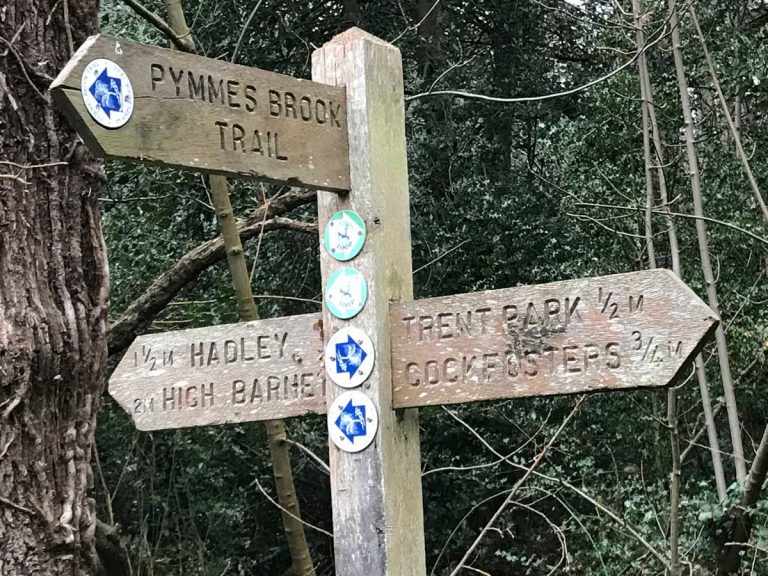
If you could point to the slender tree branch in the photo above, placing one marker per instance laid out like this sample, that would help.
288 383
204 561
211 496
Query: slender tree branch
672 421
247 25
473 96
178 26
529 471
142 311
415 27
680 215
319 461
184 44
288 512
238 269
602 507
729 119
693 441
723 356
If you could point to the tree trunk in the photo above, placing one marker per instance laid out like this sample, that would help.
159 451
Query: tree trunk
674 251
650 124
53 295
301 559
672 421
706 263
740 152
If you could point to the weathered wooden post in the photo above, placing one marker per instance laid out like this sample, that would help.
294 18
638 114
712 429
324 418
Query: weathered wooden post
377 505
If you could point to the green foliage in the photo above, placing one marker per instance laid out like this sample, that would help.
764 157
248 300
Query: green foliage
500 196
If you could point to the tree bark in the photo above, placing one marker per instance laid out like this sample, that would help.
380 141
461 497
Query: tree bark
53 297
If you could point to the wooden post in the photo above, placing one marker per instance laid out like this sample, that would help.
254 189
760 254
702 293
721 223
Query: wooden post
377 504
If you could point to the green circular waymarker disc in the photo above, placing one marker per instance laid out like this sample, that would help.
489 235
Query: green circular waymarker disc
344 235
346 293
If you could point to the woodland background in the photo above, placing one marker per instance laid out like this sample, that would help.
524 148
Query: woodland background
525 190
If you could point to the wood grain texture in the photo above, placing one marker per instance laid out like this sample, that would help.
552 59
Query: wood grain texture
377 504
260 370
614 332
211 116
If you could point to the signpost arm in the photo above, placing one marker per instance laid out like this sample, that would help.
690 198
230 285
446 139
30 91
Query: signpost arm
377 502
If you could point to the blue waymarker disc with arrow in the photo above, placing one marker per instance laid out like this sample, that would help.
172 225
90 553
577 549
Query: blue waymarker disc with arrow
107 93
349 357
352 421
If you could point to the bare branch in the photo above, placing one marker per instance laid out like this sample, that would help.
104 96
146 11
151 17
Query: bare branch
142 311
602 507
472 96
184 44
689 216
286 511
18 507
415 26
247 25
536 462
311 454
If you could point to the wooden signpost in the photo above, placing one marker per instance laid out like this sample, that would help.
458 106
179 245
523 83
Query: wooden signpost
378 521
208 115
373 355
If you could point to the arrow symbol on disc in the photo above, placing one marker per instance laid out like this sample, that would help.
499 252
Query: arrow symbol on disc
349 356
107 91
352 421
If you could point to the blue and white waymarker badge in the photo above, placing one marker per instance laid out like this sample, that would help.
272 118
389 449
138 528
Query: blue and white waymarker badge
352 421
344 235
107 93
346 293
349 357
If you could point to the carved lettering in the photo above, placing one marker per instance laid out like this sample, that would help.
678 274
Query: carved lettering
196 86
232 92
320 111
250 96
290 109
215 90
176 79
157 73
444 326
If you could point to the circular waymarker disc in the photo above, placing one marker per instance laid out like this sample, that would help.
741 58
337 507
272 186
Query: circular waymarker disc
349 357
346 293
344 235
107 93
352 421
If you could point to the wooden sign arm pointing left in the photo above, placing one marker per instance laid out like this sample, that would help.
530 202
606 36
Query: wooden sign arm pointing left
139 103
